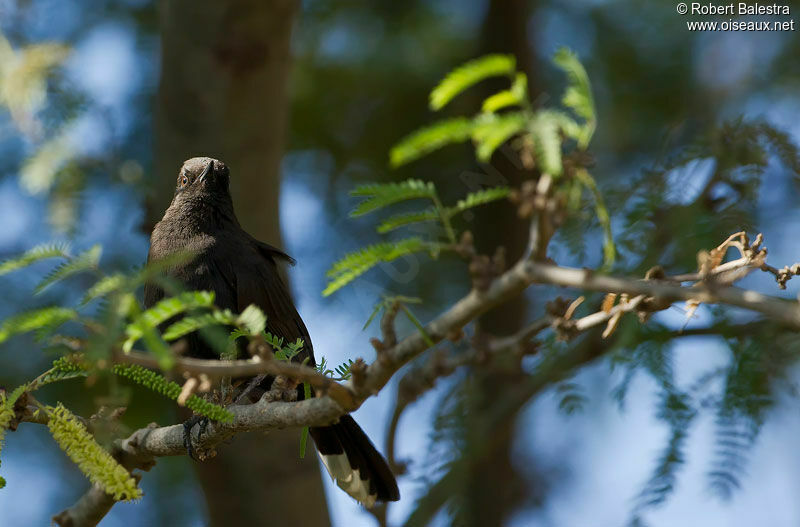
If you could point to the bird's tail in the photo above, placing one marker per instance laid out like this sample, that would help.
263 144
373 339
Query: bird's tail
354 463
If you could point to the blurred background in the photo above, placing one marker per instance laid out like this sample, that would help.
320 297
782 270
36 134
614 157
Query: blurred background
102 101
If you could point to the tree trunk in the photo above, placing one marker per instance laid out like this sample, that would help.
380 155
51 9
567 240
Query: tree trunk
494 486
224 73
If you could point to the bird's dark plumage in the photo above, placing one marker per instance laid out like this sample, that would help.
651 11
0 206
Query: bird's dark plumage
241 270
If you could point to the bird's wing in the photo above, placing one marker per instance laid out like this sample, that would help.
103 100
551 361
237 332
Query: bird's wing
258 282
271 253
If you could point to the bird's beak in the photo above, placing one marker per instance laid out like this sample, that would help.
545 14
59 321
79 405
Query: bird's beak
206 171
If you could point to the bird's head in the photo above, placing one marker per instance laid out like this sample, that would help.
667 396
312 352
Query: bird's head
203 177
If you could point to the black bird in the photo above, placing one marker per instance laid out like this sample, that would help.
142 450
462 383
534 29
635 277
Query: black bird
241 270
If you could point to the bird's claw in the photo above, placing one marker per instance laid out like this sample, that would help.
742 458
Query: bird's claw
187 433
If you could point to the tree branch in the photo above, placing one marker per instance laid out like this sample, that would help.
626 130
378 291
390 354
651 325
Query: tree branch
335 399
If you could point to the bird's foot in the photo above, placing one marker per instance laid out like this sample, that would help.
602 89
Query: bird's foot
187 433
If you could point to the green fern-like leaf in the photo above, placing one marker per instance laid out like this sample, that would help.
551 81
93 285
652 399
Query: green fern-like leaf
401 220
545 131
603 217
253 320
94 461
566 124
482 197
105 286
159 384
470 74
163 311
578 95
342 371
155 344
515 96
499 100
287 352
357 263
191 324
38 253
380 195
338 373
492 130
38 319
374 253
85 261
430 138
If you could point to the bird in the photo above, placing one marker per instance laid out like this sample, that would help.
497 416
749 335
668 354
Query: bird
241 271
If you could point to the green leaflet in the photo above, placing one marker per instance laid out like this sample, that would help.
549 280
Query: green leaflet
104 286
492 130
85 261
37 319
430 138
499 100
603 217
470 74
379 195
284 352
482 197
190 324
252 319
517 95
578 95
38 253
150 319
544 128
338 373
156 345
401 220
357 263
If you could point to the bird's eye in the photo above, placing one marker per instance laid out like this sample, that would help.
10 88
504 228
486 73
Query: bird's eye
184 181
